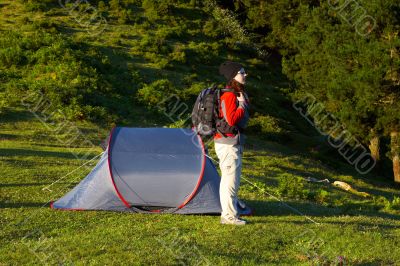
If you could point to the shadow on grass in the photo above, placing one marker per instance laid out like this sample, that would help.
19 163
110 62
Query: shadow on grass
4 136
4 205
363 225
32 184
276 208
303 173
38 153
20 163
15 115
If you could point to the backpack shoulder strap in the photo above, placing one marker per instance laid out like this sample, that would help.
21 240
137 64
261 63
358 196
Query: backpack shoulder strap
227 90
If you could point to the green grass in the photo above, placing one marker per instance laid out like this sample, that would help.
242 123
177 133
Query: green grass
33 157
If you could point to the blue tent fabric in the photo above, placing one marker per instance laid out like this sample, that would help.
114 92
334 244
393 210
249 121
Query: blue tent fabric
95 192
150 170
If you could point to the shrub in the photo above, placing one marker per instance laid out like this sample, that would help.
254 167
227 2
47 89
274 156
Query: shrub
261 188
114 5
387 204
205 52
155 9
321 196
121 10
11 56
156 94
292 187
36 5
381 202
73 78
123 16
211 29
178 55
180 123
267 127
101 7
192 91
154 44
45 25
264 124
395 204
158 60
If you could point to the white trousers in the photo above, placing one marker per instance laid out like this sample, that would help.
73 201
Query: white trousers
230 163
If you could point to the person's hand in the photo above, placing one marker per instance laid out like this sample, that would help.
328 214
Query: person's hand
241 97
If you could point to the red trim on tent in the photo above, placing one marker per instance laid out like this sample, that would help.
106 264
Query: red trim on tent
110 169
200 177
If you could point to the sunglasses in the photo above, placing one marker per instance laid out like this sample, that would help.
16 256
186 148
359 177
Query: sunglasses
242 72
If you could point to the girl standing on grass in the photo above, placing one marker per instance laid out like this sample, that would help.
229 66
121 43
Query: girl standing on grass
229 139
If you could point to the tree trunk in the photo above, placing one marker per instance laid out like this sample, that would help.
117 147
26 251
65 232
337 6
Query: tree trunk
374 148
394 144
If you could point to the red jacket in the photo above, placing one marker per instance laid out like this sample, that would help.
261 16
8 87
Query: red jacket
230 109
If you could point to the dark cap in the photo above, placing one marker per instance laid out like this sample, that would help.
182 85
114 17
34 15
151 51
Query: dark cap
229 69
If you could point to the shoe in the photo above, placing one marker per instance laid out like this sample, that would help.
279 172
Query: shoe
233 220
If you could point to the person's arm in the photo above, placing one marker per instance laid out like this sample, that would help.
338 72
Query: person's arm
232 114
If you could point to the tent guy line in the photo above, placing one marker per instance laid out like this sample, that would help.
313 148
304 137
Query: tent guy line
272 196
73 171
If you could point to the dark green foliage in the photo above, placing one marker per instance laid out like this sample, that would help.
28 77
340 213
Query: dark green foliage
72 77
292 186
205 53
90 83
178 54
211 28
39 5
156 9
353 71
155 94
123 12
269 127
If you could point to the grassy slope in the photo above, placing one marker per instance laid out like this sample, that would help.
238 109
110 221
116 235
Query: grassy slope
34 156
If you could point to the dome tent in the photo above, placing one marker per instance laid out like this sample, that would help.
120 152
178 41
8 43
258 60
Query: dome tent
150 170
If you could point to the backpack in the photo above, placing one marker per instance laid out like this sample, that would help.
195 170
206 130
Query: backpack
205 114
206 110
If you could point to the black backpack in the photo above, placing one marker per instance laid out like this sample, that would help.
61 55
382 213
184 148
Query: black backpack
205 114
205 111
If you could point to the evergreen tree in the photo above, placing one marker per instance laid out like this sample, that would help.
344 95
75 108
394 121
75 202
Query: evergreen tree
345 54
